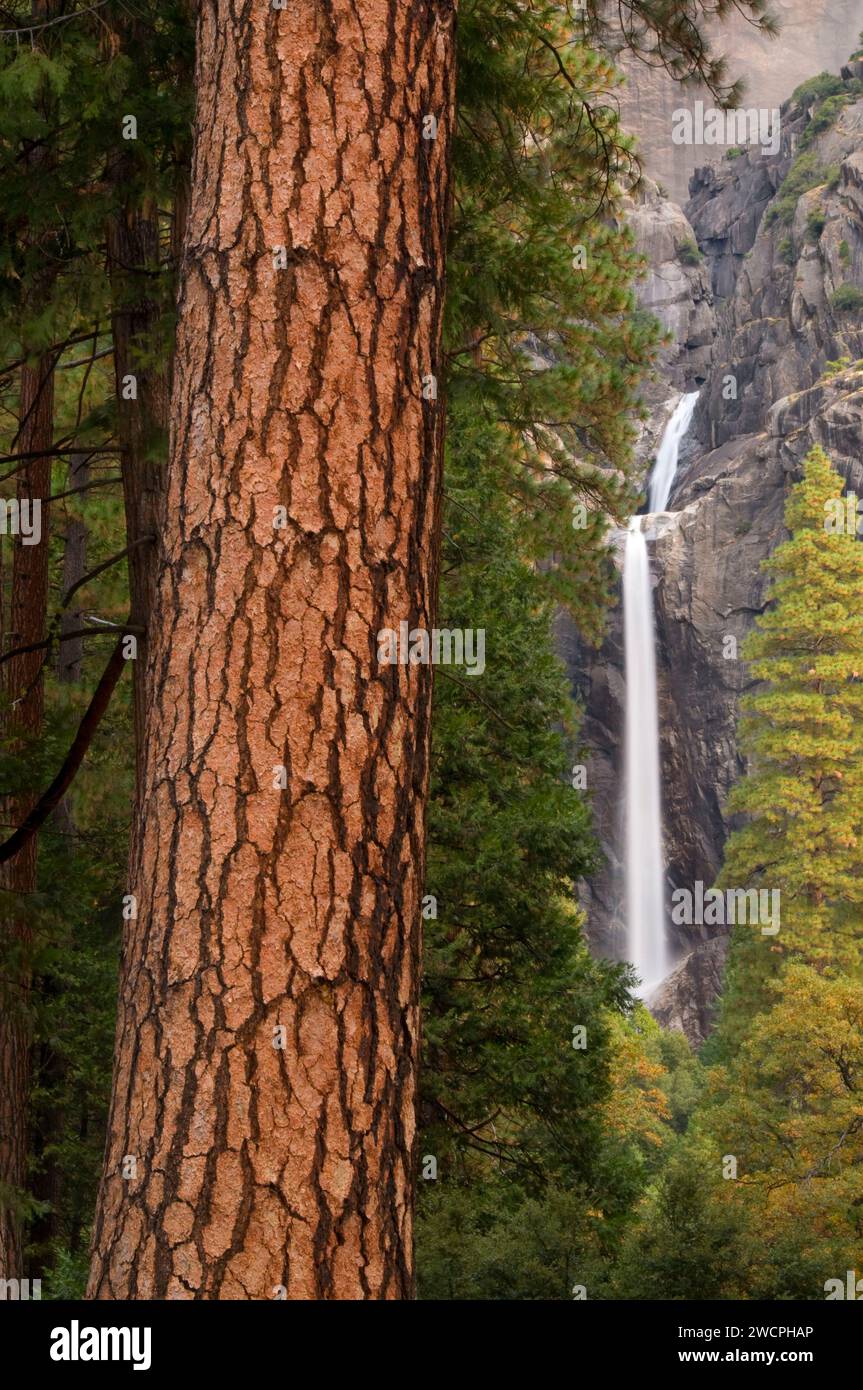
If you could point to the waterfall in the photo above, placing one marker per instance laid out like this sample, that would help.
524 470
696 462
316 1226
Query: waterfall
662 480
645 875
646 945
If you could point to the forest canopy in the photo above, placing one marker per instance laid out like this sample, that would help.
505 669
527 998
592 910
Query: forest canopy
306 335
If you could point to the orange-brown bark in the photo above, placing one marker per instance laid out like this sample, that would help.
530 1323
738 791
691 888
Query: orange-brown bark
263 1171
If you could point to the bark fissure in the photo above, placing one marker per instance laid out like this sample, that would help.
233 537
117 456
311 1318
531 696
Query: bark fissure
296 386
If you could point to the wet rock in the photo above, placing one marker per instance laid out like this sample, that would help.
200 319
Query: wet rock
686 1001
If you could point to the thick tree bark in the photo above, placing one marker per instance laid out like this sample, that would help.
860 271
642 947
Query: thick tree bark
27 618
269 916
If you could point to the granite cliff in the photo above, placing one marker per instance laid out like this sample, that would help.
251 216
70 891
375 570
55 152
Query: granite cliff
767 318
815 36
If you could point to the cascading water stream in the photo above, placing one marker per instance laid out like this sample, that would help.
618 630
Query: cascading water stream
645 878
662 479
646 945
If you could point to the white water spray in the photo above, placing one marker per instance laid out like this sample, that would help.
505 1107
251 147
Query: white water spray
645 879
646 945
662 480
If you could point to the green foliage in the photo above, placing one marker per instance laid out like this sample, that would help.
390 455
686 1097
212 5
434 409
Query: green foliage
816 89
805 173
815 224
507 974
734 152
825 117
541 326
508 834
477 1246
689 1245
546 350
62 100
847 299
67 1279
803 795
841 364
688 253
787 1105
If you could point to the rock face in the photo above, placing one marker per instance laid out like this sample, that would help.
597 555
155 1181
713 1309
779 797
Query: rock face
786 372
676 288
686 1001
780 275
816 36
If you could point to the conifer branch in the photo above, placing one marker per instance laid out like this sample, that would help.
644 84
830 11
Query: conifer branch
74 758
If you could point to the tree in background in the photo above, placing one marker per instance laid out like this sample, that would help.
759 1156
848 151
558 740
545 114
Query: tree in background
803 793
69 89
787 1107
765 1193
540 340
521 1151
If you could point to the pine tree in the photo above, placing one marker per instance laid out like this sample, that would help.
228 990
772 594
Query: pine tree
783 1099
64 89
262 1133
548 349
508 976
787 1108
803 793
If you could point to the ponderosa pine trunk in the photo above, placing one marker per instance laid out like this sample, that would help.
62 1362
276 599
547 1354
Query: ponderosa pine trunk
22 722
261 1139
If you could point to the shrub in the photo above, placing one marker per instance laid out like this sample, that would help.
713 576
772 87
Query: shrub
815 223
805 173
847 298
834 368
688 252
785 250
816 89
824 118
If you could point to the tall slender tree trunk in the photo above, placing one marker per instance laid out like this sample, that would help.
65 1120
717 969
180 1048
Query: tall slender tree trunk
261 1139
142 373
142 406
70 652
24 691
48 1064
